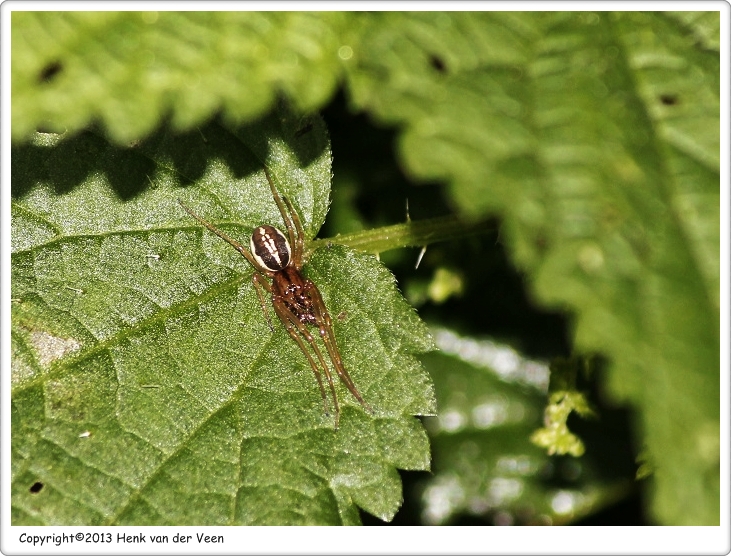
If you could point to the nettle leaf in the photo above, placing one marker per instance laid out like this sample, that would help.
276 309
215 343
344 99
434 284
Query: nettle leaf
147 385
129 69
595 138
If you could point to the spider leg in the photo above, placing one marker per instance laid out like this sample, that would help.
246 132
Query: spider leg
235 244
324 324
259 284
299 242
289 215
297 330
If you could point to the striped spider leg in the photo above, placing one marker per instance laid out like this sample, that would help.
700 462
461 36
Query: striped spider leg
296 299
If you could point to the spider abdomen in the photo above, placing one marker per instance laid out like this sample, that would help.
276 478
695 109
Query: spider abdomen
270 248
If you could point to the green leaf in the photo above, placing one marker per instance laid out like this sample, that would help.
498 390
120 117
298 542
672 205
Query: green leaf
130 69
147 385
595 137
490 400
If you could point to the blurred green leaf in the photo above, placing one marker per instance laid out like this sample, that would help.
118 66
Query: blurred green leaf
490 401
595 137
130 69
147 385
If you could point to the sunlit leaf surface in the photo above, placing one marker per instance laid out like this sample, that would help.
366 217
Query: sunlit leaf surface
147 385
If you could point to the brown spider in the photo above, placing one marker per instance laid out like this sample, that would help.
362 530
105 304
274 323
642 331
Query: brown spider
296 299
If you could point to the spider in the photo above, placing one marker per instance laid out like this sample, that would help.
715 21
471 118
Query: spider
296 299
